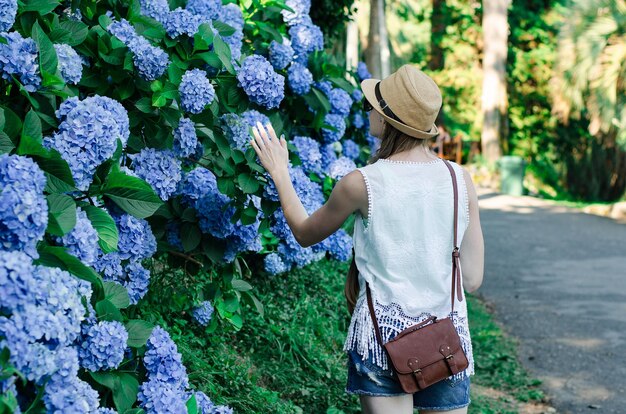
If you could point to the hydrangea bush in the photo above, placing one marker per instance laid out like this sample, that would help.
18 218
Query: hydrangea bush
124 147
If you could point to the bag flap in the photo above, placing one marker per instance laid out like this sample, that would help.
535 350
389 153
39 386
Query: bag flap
423 345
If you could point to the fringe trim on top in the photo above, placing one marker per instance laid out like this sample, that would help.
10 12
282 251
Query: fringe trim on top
392 320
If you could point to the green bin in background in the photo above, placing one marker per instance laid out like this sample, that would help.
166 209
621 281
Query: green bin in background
511 174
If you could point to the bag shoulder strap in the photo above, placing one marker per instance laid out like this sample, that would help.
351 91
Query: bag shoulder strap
456 266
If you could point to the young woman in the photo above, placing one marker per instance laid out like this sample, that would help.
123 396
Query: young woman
403 237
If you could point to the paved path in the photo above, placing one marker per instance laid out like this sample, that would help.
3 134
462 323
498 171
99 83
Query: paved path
557 280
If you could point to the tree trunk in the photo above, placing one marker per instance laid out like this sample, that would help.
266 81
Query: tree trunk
437 32
378 55
352 45
494 99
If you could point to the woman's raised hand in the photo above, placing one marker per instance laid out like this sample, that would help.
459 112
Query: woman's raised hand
271 150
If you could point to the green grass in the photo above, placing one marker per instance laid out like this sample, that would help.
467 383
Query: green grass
291 361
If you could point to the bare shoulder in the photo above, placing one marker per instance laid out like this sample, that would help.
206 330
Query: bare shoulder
353 188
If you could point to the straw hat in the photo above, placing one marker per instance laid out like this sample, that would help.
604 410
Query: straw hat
408 99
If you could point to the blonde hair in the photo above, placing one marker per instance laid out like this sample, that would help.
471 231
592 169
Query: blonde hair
392 142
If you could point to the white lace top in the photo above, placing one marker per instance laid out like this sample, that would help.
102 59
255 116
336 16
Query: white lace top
403 249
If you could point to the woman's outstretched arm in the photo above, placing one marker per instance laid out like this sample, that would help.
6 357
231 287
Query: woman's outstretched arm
348 195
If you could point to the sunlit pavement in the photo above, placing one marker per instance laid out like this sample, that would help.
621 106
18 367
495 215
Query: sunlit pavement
557 279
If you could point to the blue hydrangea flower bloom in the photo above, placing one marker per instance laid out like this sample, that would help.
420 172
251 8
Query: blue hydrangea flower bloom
8 10
358 121
374 143
157 9
281 54
203 313
173 235
340 245
340 167
82 241
205 405
223 409
23 208
163 361
306 38
231 15
214 213
324 86
19 57
161 169
88 134
160 397
198 183
243 238
300 11
350 149
236 130
260 82
66 361
182 21
300 78
297 255
308 151
210 9
362 72
328 155
103 346
109 265
70 65
75 396
357 95
196 91
336 121
185 138
274 264
104 410
136 240
150 61
340 102
136 281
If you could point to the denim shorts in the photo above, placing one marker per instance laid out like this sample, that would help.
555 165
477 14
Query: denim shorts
366 378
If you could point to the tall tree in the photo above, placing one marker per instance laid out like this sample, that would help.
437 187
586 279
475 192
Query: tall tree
494 97
377 54
437 32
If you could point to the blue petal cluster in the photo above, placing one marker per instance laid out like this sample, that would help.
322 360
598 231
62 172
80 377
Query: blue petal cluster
23 208
328 155
244 238
237 128
340 245
88 134
160 169
340 167
74 396
358 120
136 281
299 14
164 392
197 183
157 9
103 346
350 149
274 264
182 21
306 38
136 240
82 241
42 312
70 64
203 313
308 151
338 123
232 16
362 72
205 405
185 138
196 91
172 231
340 102
300 78
19 57
150 61
8 10
281 54
210 9
324 86
374 143
260 82
357 95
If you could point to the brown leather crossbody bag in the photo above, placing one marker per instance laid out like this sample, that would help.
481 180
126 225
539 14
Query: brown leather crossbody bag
430 351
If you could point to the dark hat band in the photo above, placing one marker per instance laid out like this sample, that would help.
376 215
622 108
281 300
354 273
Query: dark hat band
383 105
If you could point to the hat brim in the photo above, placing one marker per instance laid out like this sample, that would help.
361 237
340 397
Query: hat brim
368 87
